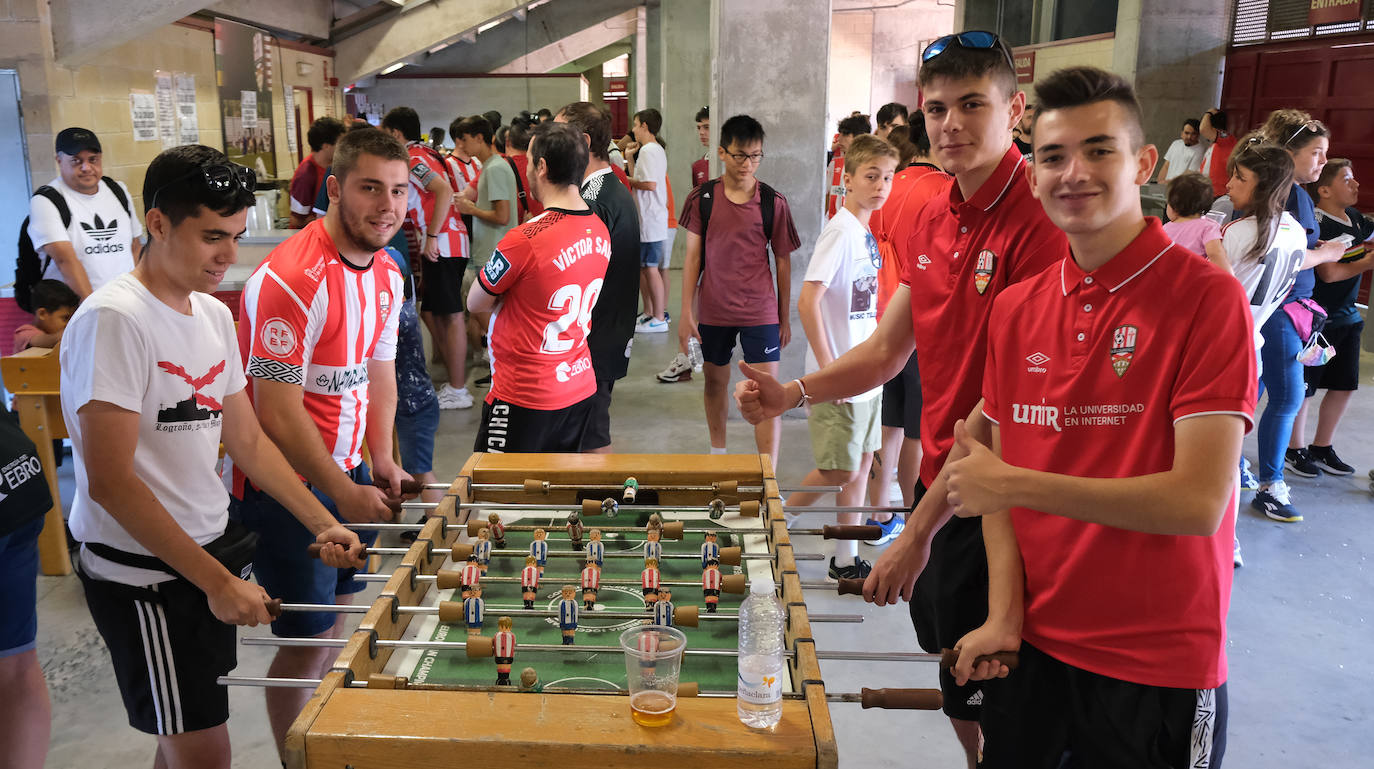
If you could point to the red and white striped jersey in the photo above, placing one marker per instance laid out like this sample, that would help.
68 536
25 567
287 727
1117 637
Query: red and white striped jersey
529 577
548 273
464 171
710 579
498 531
575 530
648 642
309 318
503 644
472 574
425 164
649 578
591 578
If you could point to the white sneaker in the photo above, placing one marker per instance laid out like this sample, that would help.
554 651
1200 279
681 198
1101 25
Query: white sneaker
652 326
451 398
642 318
680 370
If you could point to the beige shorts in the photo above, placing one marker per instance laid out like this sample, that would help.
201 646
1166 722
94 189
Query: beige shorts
841 433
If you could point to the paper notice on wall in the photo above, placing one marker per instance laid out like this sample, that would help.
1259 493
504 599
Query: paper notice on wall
248 107
143 110
188 121
166 109
291 120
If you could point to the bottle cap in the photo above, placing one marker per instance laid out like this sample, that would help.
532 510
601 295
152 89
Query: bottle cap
761 585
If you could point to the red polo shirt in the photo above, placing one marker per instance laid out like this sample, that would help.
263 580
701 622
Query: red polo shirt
1087 375
962 254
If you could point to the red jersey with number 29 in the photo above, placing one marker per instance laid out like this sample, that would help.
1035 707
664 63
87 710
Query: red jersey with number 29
548 274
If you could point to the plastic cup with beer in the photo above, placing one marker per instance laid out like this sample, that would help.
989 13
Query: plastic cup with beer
653 659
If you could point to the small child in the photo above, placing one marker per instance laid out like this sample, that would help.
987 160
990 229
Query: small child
1190 197
53 305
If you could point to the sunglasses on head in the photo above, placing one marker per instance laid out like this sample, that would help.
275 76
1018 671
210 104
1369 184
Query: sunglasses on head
219 178
1308 126
974 39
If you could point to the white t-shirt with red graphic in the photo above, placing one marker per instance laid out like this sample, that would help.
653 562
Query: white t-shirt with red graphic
125 347
309 318
548 273
425 164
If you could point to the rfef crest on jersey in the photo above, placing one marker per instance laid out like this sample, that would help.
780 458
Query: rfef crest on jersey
384 303
1123 348
982 271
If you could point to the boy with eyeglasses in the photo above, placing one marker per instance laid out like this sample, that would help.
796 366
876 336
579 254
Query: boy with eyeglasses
732 222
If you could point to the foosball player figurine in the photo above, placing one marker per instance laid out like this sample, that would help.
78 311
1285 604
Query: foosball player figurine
596 549
498 531
567 614
471 575
609 507
503 649
710 551
649 580
529 581
482 550
574 528
529 681
653 549
630 491
473 606
710 586
663 608
655 522
591 584
539 548
717 508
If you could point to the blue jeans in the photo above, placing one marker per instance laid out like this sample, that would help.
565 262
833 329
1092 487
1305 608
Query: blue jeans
1282 378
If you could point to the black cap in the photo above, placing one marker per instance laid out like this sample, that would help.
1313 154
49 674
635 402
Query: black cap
72 141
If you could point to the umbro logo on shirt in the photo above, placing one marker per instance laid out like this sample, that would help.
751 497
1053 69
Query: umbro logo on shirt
1037 361
922 262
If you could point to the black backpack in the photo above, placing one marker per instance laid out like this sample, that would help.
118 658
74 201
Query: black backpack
28 268
767 201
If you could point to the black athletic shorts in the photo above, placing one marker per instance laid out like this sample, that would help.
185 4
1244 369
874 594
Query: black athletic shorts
599 426
902 400
950 600
1343 371
506 428
167 649
441 286
1046 709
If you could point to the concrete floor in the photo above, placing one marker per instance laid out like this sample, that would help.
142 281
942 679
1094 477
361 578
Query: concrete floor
1301 627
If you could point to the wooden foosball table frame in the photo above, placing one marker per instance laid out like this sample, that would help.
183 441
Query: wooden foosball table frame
344 726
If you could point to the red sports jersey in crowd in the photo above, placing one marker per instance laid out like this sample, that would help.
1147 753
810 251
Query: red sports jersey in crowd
529 577
892 224
307 318
532 207
425 163
834 196
710 579
1087 376
503 644
465 171
591 578
649 579
548 273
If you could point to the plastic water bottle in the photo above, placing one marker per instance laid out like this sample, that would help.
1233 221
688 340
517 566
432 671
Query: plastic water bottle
761 667
694 354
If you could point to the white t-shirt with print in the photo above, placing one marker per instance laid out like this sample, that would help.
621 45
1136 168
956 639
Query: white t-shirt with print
846 262
651 165
101 232
125 347
1266 281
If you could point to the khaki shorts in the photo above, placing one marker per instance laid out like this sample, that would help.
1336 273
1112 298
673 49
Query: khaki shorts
841 433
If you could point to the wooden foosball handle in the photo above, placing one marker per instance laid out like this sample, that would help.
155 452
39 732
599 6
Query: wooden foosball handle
734 583
673 530
948 657
382 681
475 526
461 552
850 586
274 607
480 646
448 579
851 532
591 507
749 508
688 688
901 699
685 616
451 612
534 486
726 487
730 556
407 487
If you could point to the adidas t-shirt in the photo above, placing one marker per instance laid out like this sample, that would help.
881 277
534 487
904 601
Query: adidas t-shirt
125 347
101 232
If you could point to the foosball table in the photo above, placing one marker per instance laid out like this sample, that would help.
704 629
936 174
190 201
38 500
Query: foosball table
418 683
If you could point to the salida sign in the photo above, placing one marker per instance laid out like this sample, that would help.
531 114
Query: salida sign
1333 11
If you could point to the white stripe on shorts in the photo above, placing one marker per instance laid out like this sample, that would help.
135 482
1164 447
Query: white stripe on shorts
150 644
1204 729
157 651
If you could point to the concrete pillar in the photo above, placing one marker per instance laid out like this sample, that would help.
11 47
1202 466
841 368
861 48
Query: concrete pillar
686 73
596 85
784 92
653 55
639 64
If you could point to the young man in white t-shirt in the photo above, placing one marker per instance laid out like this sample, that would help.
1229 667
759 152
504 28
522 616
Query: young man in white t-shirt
839 309
99 240
151 385
647 164
1184 155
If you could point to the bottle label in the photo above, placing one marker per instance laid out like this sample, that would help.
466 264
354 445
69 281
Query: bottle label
760 688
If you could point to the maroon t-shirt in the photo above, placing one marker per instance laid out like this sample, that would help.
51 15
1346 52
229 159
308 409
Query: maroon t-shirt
736 286
305 185
700 169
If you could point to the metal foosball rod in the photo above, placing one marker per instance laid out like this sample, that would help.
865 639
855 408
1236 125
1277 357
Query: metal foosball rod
729 556
672 530
535 486
608 507
478 647
451 612
887 699
730 583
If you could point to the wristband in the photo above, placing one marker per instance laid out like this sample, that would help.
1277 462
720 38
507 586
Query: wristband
804 399
430 235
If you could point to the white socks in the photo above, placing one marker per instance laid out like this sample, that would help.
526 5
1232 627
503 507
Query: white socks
717 450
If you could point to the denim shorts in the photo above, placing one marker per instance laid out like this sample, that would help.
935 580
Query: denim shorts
415 434
19 586
652 254
282 565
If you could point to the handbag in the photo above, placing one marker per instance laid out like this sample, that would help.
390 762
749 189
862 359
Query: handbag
234 549
1308 319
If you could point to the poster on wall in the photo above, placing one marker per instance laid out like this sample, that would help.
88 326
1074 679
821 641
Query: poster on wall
244 69
166 109
188 120
143 111
289 95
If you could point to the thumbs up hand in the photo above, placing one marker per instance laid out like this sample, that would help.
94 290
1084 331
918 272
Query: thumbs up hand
760 395
978 480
